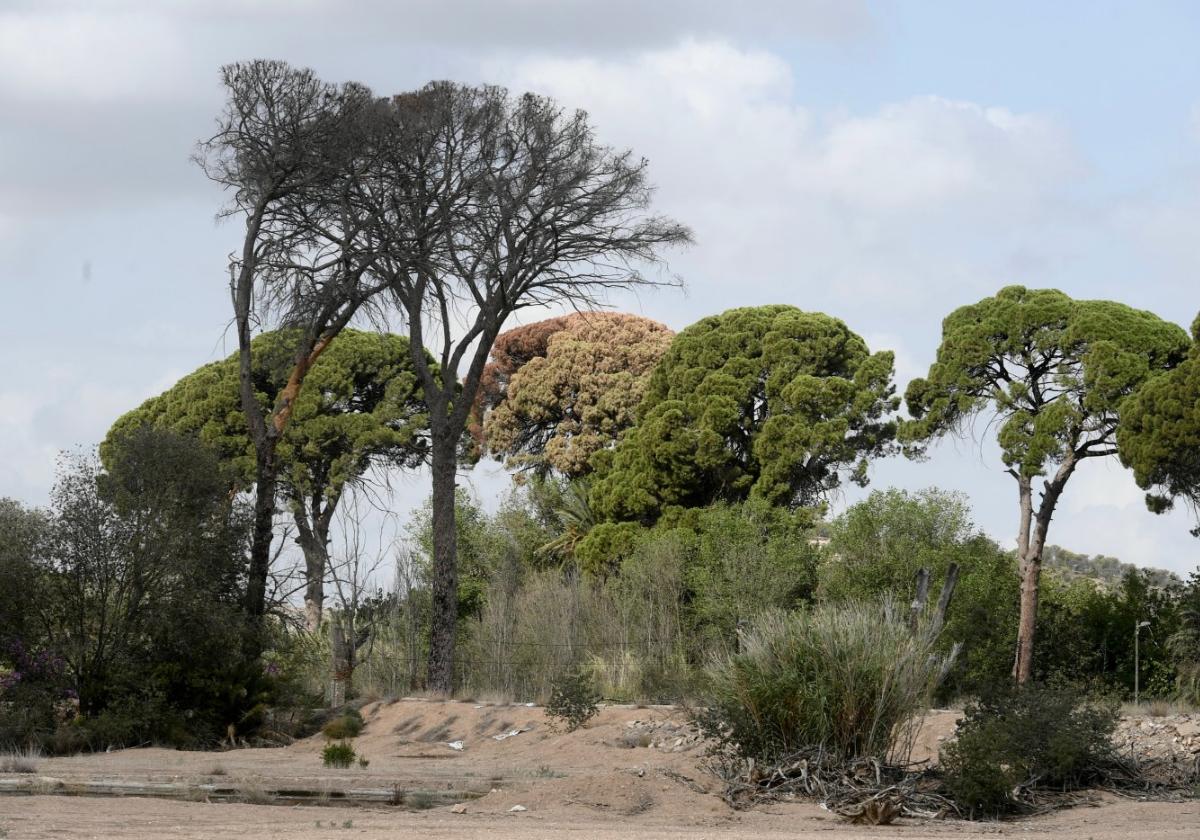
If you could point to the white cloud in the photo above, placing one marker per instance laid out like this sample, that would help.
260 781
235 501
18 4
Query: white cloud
930 152
82 54
824 209
1103 483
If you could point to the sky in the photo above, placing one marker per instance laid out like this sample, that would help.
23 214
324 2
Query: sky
884 162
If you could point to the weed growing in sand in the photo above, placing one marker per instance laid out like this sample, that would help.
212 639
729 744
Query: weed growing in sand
363 762
573 700
338 754
254 793
420 800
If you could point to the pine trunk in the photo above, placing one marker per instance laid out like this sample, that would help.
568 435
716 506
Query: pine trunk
444 609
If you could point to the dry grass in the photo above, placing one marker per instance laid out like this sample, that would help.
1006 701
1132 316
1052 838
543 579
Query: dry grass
20 761
1158 708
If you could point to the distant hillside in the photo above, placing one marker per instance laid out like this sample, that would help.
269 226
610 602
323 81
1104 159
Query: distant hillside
1107 571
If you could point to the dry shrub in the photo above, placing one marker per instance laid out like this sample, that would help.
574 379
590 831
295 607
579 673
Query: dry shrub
346 725
20 761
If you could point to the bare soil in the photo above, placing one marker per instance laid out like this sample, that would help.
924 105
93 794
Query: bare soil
630 773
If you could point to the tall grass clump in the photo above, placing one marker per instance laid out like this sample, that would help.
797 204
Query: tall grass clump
20 761
846 681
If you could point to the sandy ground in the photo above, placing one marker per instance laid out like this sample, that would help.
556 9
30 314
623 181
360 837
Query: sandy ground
69 818
630 773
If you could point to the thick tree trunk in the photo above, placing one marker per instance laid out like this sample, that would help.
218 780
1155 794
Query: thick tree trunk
312 529
1031 571
316 561
266 480
444 608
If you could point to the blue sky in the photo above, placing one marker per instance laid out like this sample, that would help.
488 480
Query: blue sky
883 162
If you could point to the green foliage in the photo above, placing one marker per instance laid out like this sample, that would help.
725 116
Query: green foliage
1055 371
740 560
482 544
1159 436
338 754
877 546
141 574
573 395
573 700
1035 736
361 403
1108 571
346 725
23 532
1088 632
847 679
769 402
607 546
1183 644
34 695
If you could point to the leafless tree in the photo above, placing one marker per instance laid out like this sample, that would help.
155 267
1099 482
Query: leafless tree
353 573
290 150
487 204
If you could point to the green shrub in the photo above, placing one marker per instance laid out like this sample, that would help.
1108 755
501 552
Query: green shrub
346 725
338 754
573 700
850 680
1037 736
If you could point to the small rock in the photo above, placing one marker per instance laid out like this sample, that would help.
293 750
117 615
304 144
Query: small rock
1190 729
456 745
516 809
458 809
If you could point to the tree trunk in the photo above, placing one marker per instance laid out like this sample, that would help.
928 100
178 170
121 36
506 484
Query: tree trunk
1031 572
264 530
312 530
316 560
1025 632
1030 543
444 608
343 663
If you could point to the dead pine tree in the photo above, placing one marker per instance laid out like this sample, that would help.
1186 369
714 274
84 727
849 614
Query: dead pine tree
491 204
289 149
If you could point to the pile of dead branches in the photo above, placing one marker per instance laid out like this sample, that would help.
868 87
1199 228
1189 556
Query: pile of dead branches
874 792
862 790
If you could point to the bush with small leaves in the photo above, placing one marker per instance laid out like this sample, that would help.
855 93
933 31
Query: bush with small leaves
1019 739
338 754
573 700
